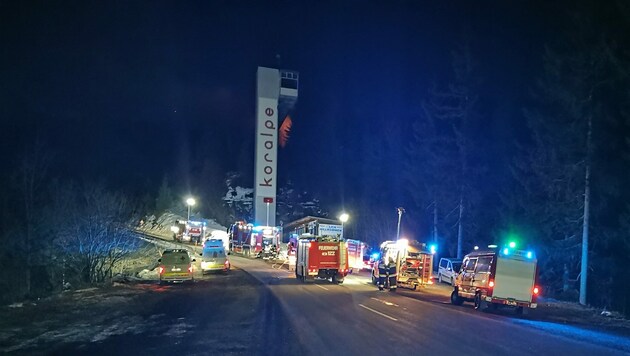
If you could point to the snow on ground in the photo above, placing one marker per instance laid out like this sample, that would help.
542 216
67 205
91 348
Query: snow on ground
124 325
62 318
591 336
179 328
148 274
168 219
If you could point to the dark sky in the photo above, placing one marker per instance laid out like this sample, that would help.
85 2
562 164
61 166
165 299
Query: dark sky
127 91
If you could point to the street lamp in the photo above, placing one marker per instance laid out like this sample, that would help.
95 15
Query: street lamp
190 202
343 218
400 210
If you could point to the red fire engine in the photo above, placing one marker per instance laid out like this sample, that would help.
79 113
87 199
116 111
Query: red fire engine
321 257
356 249
254 241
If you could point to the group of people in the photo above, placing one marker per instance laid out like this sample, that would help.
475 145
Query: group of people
387 273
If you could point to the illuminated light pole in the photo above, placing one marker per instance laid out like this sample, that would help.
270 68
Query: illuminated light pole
343 218
190 202
400 210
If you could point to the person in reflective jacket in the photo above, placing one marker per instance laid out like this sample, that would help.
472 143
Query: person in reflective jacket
387 274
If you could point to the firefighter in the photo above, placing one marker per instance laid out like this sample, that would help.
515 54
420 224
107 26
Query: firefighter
392 274
387 273
382 273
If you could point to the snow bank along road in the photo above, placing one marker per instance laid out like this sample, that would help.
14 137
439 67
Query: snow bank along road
355 318
218 314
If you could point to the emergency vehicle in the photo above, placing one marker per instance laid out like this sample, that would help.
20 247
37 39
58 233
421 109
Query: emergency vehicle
220 235
254 241
214 256
356 250
413 260
321 257
498 277
179 229
194 231
238 235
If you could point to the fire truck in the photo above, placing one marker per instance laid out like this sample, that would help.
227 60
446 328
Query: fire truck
321 257
189 231
254 241
195 231
413 261
356 250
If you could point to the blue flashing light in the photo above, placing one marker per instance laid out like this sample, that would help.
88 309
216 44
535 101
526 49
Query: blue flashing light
376 255
506 251
529 254
257 228
433 248
512 244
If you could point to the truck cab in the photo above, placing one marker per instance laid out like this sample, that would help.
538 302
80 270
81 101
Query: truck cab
497 277
324 257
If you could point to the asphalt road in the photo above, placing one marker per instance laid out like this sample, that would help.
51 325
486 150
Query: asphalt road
357 319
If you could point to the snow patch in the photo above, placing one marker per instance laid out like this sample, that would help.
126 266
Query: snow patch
133 325
147 274
179 329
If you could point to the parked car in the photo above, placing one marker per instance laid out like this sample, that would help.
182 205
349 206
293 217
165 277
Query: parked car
448 270
175 265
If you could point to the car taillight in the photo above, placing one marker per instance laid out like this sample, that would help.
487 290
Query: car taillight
190 268
227 263
536 290
160 270
491 284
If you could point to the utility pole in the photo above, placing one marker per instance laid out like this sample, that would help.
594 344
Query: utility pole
460 230
435 222
400 210
585 221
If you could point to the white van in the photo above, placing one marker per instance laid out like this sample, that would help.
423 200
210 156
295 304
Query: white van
448 270
214 257
498 277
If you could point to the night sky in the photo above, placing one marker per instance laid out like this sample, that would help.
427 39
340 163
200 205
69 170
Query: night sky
126 92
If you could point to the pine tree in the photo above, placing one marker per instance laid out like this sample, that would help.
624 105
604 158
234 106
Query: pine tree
165 199
558 172
439 168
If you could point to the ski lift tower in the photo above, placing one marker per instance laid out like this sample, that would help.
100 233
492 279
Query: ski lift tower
276 96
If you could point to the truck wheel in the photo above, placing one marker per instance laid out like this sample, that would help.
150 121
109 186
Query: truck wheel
478 302
336 280
522 311
455 299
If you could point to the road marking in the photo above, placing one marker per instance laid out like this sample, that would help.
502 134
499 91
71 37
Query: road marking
378 312
385 302
324 288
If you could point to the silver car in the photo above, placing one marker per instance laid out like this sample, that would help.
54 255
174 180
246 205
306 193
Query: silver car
448 270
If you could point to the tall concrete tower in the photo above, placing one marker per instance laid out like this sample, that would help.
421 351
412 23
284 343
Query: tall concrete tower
276 96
